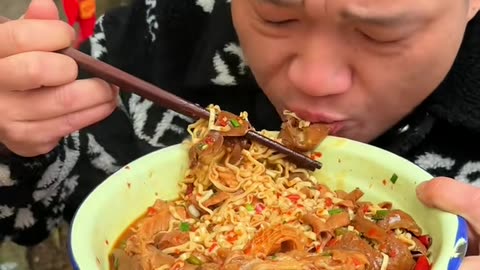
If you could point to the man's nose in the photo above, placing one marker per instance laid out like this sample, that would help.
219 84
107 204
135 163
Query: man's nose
317 70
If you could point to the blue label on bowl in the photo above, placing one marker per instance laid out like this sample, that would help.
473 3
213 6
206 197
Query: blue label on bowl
461 245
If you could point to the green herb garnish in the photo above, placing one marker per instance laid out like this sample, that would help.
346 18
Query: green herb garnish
335 212
184 227
194 260
380 214
235 123
394 178
249 207
340 231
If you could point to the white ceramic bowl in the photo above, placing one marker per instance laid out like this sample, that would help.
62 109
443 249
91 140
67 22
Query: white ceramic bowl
347 164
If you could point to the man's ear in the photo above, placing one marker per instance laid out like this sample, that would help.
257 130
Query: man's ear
473 9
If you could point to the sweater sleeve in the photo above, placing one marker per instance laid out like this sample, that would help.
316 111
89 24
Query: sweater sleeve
36 194
151 39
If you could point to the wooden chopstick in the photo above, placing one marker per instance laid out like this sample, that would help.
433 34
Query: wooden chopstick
130 83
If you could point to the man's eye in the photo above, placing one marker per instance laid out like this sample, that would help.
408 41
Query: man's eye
377 39
280 22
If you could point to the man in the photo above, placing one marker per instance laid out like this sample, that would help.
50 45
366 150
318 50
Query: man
400 75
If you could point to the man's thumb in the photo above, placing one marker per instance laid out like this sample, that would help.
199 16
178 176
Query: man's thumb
42 10
470 263
452 196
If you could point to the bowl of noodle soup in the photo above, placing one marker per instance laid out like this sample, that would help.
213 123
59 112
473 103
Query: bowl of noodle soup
359 211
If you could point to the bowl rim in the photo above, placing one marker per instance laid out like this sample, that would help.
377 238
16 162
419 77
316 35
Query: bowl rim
461 238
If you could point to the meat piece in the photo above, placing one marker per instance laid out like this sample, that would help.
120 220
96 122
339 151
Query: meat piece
318 226
419 247
352 241
346 204
152 258
302 139
211 266
385 205
235 146
124 262
339 220
400 256
206 150
232 125
278 238
342 259
146 229
158 221
369 229
171 239
301 175
216 198
397 219
228 179
354 195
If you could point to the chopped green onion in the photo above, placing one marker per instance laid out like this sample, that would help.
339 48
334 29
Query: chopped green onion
274 257
327 254
380 214
340 231
335 212
194 260
249 207
201 146
235 123
184 227
394 178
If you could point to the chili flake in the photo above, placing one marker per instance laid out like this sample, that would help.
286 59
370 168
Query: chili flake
293 198
212 247
259 208
151 211
328 202
316 155
223 121
209 140
423 264
426 240
232 237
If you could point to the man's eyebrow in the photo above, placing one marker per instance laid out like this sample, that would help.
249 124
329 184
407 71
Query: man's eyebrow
378 19
283 3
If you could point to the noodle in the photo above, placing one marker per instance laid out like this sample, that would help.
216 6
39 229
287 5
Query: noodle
256 210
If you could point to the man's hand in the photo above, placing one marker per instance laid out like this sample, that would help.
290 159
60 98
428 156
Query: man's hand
461 199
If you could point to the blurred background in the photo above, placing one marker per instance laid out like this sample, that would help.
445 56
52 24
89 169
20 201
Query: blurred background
52 253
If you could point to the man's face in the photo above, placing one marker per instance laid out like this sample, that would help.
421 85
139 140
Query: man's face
361 65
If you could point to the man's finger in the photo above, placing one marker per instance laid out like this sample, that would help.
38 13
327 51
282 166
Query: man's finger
34 35
471 263
42 9
452 196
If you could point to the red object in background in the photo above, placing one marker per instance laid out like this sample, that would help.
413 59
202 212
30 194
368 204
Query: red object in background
82 12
